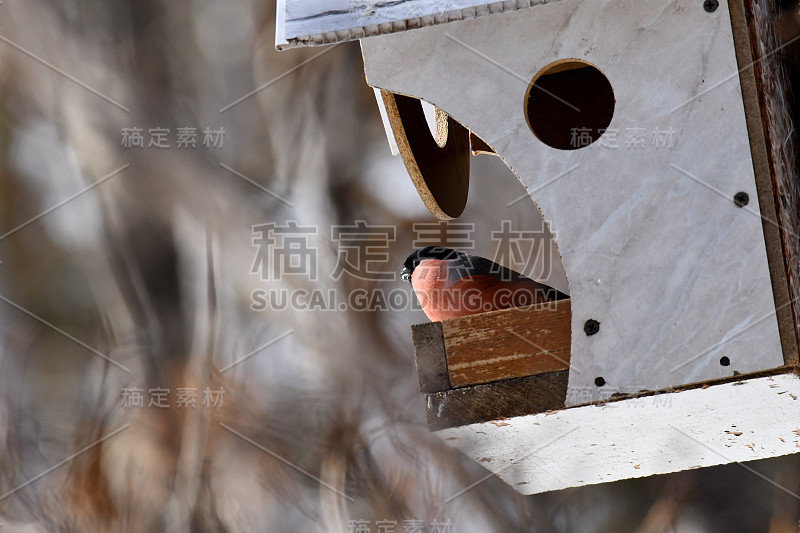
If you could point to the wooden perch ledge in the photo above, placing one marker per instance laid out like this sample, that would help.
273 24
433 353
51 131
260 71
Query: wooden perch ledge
494 365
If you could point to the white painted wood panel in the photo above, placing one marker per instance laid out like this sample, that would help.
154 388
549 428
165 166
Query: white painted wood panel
743 421
651 241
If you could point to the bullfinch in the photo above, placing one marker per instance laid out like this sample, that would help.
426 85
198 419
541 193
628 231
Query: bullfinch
449 284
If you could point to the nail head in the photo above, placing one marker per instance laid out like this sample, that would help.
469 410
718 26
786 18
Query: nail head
591 326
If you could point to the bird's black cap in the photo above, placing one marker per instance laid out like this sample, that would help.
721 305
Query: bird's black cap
429 252
463 265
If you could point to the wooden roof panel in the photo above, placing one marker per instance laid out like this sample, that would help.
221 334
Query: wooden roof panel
319 22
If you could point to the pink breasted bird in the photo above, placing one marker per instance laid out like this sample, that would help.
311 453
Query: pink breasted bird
449 284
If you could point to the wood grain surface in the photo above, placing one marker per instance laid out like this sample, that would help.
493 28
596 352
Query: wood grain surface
496 401
508 344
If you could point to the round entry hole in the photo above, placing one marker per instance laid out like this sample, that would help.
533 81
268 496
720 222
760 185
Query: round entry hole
569 104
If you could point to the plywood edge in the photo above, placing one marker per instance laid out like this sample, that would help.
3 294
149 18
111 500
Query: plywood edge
766 186
429 355
438 167
353 21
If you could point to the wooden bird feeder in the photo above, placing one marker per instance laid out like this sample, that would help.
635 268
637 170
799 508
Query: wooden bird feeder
678 347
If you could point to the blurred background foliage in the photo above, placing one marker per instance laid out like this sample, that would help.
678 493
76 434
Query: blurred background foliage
146 256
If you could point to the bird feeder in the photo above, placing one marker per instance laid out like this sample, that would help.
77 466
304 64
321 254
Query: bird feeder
657 140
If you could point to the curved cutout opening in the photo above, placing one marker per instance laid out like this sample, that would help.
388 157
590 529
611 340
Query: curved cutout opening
503 224
569 104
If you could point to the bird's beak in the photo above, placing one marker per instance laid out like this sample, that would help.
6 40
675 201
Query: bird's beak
405 274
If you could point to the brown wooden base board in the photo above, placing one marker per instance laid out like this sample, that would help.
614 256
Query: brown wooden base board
493 401
494 346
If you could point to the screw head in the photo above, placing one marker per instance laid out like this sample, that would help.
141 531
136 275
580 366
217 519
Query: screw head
710 5
591 326
724 360
599 381
741 199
